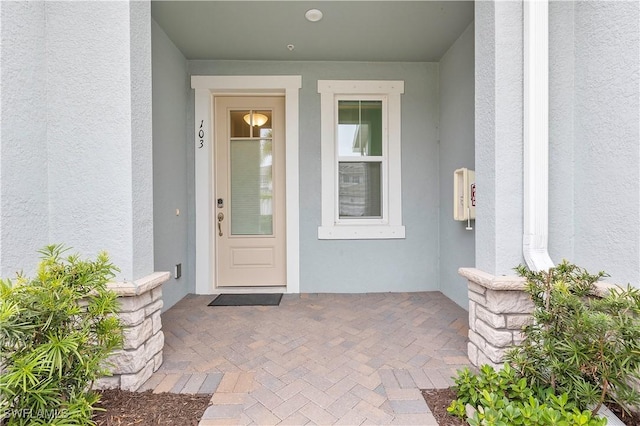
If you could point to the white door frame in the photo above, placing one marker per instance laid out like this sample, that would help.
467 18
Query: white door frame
206 87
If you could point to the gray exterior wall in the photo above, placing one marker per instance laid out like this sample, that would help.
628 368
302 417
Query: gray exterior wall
24 225
76 132
457 148
96 95
141 137
368 265
594 133
170 171
561 123
499 136
595 171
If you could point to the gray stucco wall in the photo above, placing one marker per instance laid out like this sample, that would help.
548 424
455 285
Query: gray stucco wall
561 123
94 97
599 44
499 136
141 137
89 142
76 132
607 138
170 146
23 137
457 148
369 265
594 170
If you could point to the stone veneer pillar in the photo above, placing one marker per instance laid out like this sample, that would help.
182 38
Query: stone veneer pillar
141 355
498 309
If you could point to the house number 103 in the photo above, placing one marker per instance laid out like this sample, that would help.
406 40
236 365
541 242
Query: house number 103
201 135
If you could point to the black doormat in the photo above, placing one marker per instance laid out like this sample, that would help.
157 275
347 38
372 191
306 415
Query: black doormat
263 299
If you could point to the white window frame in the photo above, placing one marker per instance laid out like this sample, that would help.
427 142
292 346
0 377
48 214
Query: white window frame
390 225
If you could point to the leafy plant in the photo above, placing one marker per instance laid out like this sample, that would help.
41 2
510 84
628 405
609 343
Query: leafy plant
502 398
587 347
56 330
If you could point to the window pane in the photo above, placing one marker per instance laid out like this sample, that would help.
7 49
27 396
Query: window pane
360 190
251 187
359 128
239 127
245 124
372 117
261 120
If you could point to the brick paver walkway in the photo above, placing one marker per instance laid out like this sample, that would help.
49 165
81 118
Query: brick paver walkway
315 359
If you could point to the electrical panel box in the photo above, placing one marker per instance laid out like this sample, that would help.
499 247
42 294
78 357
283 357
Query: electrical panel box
464 194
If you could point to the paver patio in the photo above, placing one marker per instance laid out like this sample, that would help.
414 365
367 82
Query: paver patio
315 359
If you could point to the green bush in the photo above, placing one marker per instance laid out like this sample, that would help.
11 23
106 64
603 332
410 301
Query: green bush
587 347
579 352
56 330
502 398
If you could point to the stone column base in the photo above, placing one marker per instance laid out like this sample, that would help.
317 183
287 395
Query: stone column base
498 309
141 354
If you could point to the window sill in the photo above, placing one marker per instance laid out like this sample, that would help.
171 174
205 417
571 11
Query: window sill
360 232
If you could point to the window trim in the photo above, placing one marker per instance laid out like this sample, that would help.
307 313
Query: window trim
390 226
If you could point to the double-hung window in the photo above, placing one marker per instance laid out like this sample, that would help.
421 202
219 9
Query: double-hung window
361 176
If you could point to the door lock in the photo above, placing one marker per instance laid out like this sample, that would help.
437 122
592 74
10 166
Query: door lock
220 219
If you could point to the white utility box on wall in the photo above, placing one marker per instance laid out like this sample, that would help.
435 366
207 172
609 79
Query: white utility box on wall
464 194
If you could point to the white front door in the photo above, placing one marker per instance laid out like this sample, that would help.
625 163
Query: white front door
249 198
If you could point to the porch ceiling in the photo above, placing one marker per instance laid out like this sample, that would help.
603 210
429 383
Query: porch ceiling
372 31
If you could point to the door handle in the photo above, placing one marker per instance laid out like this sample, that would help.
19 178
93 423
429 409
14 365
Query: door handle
220 219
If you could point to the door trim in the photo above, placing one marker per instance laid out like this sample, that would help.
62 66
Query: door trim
206 87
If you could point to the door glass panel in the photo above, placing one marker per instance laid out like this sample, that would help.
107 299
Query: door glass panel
251 187
360 189
359 128
262 121
239 128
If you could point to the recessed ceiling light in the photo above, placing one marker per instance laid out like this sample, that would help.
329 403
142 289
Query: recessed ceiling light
313 15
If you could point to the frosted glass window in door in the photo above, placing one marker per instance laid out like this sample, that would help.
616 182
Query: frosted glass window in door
251 186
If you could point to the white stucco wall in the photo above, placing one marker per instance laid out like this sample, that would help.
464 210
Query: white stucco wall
595 136
23 137
499 136
457 149
76 125
170 146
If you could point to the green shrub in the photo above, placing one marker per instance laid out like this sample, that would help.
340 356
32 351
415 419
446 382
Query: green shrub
587 347
579 352
56 330
502 398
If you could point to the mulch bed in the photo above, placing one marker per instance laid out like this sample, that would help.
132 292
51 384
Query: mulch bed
632 419
439 399
125 408
147 408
